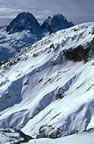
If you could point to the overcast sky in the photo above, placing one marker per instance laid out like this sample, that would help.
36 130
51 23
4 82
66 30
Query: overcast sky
77 11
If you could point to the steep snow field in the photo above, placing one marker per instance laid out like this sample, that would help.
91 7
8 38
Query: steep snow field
46 92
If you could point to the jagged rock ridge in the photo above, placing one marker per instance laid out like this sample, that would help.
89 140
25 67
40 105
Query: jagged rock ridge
26 21
57 22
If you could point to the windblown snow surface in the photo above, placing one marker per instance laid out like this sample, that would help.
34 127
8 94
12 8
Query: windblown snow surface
47 90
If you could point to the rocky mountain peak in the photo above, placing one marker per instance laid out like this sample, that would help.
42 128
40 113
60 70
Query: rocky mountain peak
24 21
57 22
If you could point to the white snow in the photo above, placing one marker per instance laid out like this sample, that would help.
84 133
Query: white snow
82 138
29 89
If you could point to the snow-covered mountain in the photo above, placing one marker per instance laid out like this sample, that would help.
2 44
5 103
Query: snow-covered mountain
47 90
23 31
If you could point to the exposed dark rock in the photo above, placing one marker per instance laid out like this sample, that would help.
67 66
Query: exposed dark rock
24 21
56 23
15 136
77 54
35 55
51 132
52 46
3 62
59 96
25 137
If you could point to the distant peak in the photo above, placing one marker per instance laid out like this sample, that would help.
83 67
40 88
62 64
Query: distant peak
59 16
57 22
26 21
25 14
23 21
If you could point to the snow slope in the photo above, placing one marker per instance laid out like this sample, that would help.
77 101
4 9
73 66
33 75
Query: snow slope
46 92
82 138
10 136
